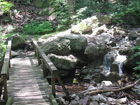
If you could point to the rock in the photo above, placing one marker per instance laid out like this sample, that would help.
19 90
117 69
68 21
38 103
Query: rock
106 83
122 100
63 44
99 97
109 59
63 62
14 54
85 26
100 30
111 76
63 73
107 94
96 51
81 28
73 102
125 47
77 42
77 98
133 35
17 42
91 87
138 41
130 63
94 103
117 65
97 47
61 101
104 19
130 19
102 38
56 46
84 101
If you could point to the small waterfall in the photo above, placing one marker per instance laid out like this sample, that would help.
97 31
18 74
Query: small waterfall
114 57
107 63
119 60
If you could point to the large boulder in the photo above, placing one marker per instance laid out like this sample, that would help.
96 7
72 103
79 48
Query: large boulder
109 59
138 41
63 44
63 62
104 19
130 19
125 47
57 46
96 51
17 42
97 47
130 63
85 26
77 42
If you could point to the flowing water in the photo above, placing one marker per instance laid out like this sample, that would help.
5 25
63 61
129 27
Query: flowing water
118 59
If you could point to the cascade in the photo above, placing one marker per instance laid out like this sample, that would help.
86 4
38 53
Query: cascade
117 59
120 59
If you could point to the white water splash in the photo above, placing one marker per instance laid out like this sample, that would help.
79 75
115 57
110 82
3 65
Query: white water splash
118 59
107 63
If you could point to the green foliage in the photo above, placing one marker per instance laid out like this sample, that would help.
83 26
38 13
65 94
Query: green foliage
5 6
2 51
26 2
62 14
37 27
121 10
137 68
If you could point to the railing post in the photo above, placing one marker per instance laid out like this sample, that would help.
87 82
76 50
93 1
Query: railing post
38 57
5 87
45 70
61 83
53 83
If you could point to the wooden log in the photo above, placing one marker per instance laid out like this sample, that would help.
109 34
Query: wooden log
113 90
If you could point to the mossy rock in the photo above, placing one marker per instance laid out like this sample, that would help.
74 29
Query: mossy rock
81 28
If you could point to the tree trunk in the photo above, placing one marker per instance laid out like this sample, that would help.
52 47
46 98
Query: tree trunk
70 4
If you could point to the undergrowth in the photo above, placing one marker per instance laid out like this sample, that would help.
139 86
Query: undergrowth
137 54
5 6
2 50
37 27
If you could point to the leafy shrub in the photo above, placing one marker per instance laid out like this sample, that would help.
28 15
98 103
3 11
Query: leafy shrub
2 51
61 11
37 27
121 10
137 68
5 6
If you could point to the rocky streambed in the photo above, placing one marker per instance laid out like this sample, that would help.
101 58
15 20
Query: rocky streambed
95 58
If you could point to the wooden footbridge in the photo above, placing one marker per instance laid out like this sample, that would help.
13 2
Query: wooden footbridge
23 82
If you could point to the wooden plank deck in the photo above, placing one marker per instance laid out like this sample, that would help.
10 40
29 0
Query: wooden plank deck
27 85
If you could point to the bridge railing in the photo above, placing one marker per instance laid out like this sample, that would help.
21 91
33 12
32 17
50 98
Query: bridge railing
42 58
5 74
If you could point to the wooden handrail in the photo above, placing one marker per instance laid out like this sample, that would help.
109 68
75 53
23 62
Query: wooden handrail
50 67
5 70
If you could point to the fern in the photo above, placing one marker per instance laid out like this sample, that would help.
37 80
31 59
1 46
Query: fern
37 27
137 68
